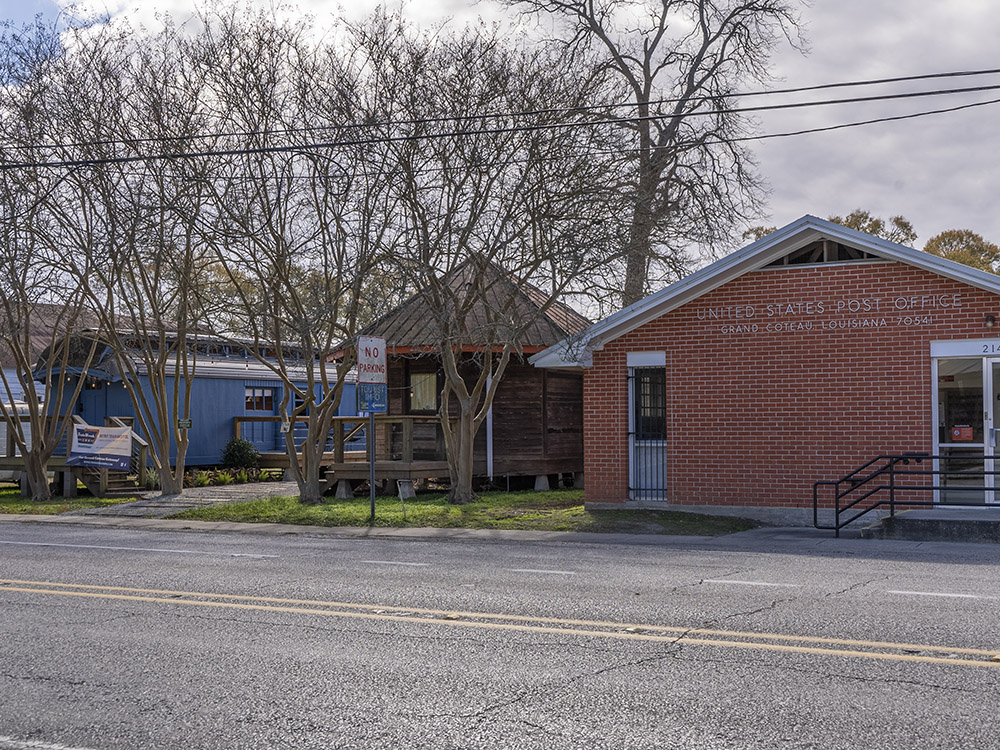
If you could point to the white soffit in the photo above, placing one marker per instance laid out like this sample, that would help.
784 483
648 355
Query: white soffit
574 352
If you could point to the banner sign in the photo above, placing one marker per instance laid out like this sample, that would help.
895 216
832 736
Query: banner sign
101 447
372 375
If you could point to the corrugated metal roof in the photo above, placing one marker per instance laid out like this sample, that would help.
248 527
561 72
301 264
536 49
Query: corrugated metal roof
495 305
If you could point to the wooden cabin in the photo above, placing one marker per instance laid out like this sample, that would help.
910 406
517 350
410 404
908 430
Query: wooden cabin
534 432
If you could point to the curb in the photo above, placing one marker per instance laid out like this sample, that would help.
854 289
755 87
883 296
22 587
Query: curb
359 532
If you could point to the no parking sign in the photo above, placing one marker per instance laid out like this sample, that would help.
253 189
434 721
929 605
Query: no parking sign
372 381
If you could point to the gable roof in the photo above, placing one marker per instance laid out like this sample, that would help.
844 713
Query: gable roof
43 320
575 351
412 327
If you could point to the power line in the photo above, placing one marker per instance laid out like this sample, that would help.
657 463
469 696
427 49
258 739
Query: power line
304 147
859 123
528 113
620 151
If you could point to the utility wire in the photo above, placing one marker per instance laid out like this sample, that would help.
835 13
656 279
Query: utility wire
859 123
595 152
303 147
560 110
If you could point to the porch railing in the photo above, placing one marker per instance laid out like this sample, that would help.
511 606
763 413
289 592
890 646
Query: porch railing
406 438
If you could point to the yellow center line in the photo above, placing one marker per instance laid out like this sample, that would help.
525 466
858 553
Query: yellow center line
518 623
386 610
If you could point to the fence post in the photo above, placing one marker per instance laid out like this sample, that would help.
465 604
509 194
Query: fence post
892 487
338 441
836 510
408 440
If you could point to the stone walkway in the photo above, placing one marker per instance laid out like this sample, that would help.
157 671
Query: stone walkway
155 505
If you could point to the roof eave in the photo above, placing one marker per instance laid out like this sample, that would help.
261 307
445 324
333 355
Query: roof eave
750 258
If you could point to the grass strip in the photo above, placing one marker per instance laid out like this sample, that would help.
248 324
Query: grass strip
12 502
561 510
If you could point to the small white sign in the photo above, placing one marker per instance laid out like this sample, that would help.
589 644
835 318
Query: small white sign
371 360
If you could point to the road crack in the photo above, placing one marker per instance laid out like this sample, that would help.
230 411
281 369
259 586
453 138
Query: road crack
854 586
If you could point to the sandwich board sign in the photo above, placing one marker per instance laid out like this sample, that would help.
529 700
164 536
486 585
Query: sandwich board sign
372 381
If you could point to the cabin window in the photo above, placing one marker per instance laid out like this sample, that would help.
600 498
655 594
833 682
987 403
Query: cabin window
260 399
423 392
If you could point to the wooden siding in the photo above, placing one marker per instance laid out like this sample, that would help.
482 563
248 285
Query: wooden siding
537 418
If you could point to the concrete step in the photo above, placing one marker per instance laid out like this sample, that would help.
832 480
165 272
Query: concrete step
980 525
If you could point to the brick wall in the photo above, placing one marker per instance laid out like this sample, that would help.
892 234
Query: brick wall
754 417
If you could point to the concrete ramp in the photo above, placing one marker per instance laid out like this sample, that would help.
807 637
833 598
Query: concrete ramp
940 525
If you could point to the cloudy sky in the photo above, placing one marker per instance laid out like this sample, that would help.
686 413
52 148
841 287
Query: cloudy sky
940 171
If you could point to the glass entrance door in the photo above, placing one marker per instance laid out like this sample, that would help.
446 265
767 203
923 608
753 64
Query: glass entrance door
968 430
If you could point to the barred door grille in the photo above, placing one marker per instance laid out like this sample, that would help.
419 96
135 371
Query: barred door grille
648 433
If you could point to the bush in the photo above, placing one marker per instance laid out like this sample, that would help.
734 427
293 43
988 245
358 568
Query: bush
240 454
223 478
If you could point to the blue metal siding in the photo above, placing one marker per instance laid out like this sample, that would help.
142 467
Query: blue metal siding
214 403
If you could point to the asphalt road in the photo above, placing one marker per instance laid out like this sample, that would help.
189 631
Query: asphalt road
115 638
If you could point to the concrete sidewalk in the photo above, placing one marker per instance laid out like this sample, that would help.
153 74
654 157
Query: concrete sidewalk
779 540
155 505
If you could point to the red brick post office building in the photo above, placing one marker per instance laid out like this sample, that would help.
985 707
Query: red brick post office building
795 359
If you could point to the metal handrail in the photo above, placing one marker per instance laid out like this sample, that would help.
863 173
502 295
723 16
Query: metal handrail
890 469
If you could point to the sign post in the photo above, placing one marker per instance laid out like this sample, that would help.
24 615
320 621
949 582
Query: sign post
372 397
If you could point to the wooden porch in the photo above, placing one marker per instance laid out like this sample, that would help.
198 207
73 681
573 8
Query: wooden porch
406 447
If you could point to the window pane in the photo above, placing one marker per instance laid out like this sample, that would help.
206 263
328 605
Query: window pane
960 400
260 399
650 398
423 391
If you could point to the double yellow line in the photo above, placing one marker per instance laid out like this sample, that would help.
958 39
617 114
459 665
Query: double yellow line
842 647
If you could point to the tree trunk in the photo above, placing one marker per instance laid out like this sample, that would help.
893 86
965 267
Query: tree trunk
637 257
170 483
639 249
309 489
462 467
307 473
38 478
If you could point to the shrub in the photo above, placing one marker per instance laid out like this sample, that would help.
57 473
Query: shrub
202 479
242 476
223 478
151 478
240 454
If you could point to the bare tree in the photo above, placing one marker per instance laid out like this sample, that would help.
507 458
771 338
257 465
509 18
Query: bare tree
678 63
299 229
41 303
515 199
117 100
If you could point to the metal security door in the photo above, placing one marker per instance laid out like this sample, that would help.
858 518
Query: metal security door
647 434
